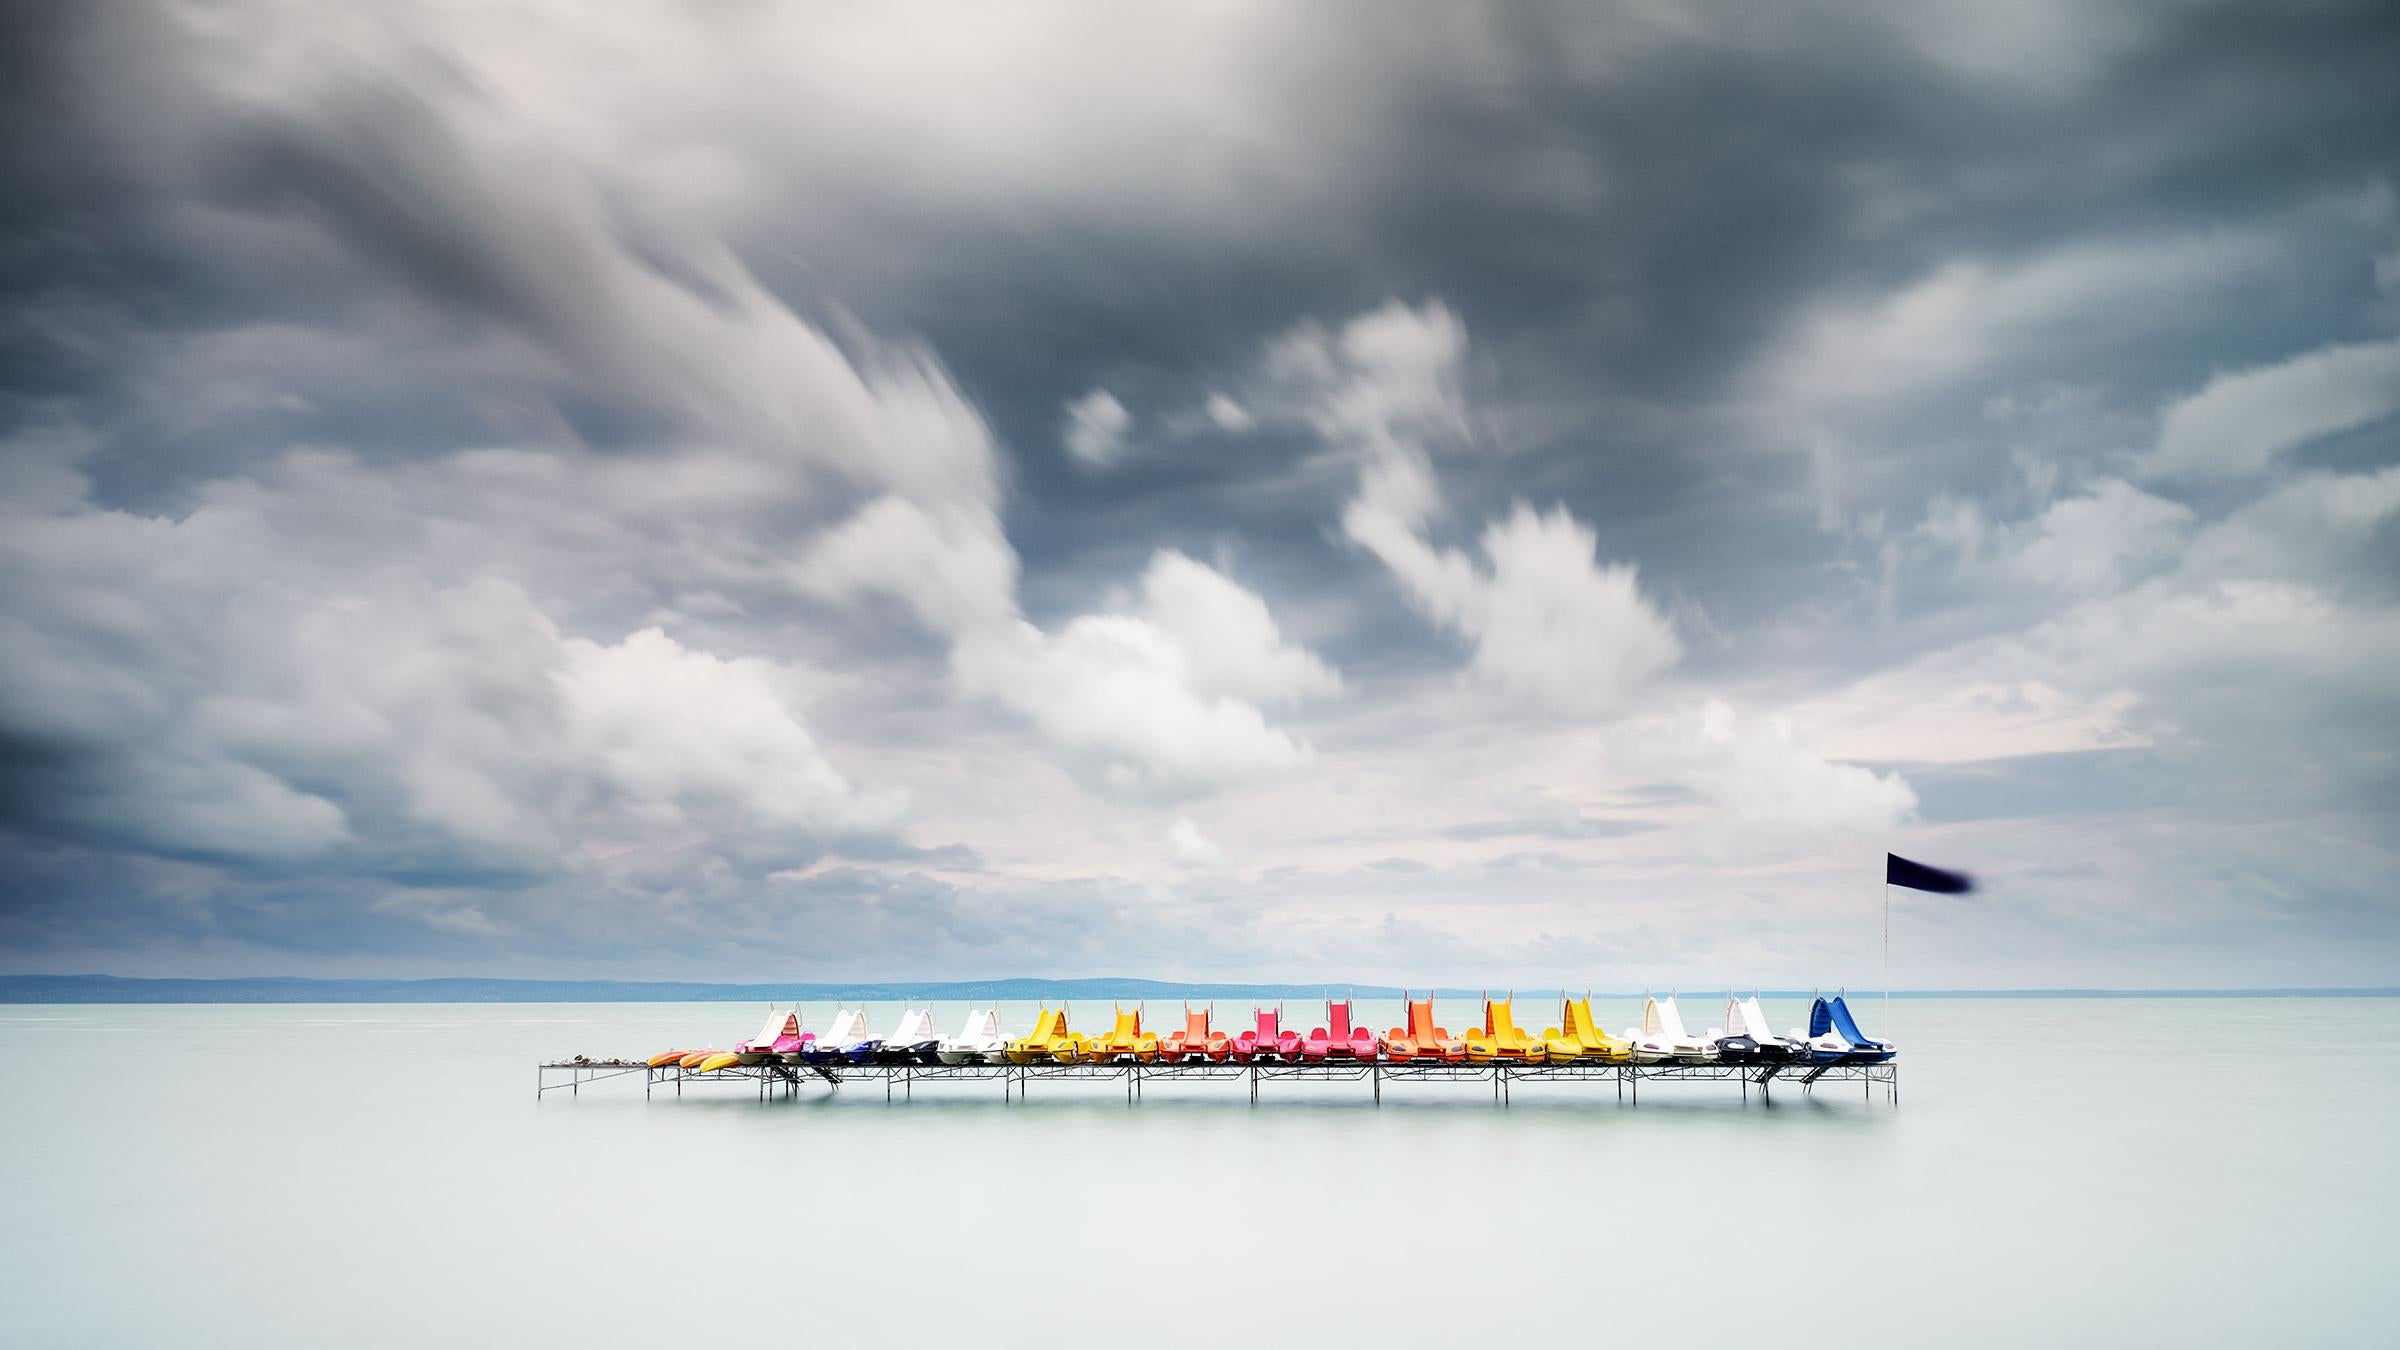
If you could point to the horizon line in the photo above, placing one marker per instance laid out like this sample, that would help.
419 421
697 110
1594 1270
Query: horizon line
93 988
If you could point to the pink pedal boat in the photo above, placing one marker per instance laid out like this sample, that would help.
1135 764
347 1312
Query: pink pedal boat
1337 1039
781 1038
1267 1040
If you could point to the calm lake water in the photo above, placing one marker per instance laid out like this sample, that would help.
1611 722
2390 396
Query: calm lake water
2187 1171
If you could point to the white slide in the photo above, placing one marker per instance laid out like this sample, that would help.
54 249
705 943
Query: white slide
1662 1027
1644 1043
1744 1017
848 1033
977 1042
914 1038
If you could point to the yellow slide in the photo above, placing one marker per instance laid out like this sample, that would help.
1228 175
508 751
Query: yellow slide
1035 1045
1126 1040
1501 1038
1583 1031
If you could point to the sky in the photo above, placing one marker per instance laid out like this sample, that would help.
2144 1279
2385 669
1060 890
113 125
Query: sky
1515 494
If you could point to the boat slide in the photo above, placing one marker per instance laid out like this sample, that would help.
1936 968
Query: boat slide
977 1042
1198 1038
841 1040
1267 1039
1501 1038
1577 1027
1337 1039
1124 1041
1661 1036
1746 1035
1834 1038
914 1041
1421 1039
1035 1045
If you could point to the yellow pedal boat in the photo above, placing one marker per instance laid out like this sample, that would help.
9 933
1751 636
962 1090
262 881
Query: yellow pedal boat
1047 1040
1582 1030
1126 1040
1501 1039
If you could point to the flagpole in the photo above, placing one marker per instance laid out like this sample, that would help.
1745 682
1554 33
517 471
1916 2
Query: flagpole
1887 956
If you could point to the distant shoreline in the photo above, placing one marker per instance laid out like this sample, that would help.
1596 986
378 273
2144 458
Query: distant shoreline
37 989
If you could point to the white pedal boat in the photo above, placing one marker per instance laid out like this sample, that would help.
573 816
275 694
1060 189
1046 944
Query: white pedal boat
977 1042
1662 1036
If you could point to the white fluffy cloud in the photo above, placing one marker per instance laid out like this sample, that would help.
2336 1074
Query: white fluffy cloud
1095 429
1161 700
2242 422
219 701
1766 789
1547 619
1162 703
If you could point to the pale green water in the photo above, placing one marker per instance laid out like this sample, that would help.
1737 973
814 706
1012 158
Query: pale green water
2189 1171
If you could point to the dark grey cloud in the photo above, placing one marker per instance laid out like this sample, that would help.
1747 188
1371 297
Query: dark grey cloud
1852 328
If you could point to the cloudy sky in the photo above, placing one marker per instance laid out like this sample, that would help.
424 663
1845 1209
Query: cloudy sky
1517 495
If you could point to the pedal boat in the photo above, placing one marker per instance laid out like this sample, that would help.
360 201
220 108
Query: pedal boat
761 1047
1197 1040
1421 1039
978 1041
1267 1039
1501 1039
1834 1037
840 1041
1578 1028
1124 1042
1747 1040
1663 1034
1337 1039
914 1041
1035 1046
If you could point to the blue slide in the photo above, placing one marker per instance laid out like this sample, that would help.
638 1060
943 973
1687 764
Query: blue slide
1866 1049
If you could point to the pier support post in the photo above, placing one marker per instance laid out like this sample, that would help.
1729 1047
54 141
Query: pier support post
1377 1072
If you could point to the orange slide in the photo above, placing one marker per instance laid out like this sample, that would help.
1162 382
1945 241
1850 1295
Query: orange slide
1421 1039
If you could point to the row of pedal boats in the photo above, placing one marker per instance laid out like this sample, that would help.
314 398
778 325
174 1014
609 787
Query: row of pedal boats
1831 1037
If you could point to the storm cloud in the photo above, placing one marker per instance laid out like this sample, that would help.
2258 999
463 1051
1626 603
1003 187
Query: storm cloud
1529 493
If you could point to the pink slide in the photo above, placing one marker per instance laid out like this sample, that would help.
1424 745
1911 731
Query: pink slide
1268 1039
1337 1039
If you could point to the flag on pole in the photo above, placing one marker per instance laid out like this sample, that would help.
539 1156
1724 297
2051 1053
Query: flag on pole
1916 876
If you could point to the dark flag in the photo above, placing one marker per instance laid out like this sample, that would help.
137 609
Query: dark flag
1899 871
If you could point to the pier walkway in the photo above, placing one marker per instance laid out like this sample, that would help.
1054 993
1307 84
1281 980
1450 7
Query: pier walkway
1016 1080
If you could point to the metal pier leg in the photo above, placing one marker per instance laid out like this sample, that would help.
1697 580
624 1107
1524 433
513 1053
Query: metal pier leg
1504 1087
1254 1085
1377 1073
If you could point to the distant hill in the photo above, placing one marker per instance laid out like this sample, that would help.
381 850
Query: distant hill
117 989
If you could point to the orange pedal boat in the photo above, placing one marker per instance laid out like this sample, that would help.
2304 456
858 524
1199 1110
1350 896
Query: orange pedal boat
1422 1040
1198 1039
